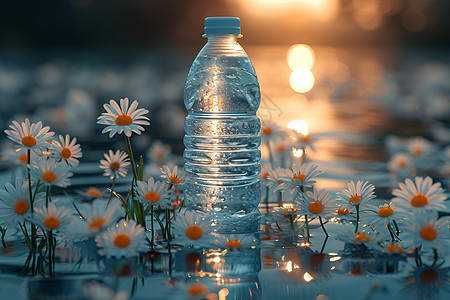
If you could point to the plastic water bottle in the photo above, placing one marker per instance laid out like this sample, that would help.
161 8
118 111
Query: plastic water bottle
222 143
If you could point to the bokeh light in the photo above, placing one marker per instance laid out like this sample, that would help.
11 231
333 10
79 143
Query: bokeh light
301 80
300 56
299 126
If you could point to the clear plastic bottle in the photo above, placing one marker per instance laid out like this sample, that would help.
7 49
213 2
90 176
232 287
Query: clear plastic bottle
222 131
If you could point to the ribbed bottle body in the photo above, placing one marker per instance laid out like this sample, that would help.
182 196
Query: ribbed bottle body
222 156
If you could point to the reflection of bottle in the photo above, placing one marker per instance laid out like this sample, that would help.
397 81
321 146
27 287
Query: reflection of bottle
222 155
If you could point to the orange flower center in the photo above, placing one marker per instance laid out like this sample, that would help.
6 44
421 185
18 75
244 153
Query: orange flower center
306 139
418 151
428 233
66 153
197 289
299 176
152 197
233 244
354 200
360 237
316 208
122 240
174 179
115 165
21 207
51 222
23 158
123 120
281 148
159 155
267 130
97 224
392 247
49 176
342 212
419 200
29 141
93 192
194 232
385 212
429 275
402 164
265 175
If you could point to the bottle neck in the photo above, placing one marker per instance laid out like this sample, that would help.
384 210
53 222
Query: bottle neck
222 44
221 38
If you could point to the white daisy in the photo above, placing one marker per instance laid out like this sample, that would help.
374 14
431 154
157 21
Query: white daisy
369 239
421 194
153 193
192 229
235 242
17 157
264 174
302 141
356 194
394 249
400 163
91 193
381 216
51 172
300 177
53 218
159 152
425 282
341 212
125 239
14 203
275 176
114 164
420 147
270 131
286 216
427 231
99 214
317 203
29 136
123 118
66 150
172 177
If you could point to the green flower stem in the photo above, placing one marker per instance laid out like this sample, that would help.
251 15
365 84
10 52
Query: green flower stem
307 227
130 154
396 228
168 234
27 237
303 157
302 188
280 198
267 199
391 232
272 165
50 251
48 196
357 218
323 227
112 187
291 221
152 211
33 227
